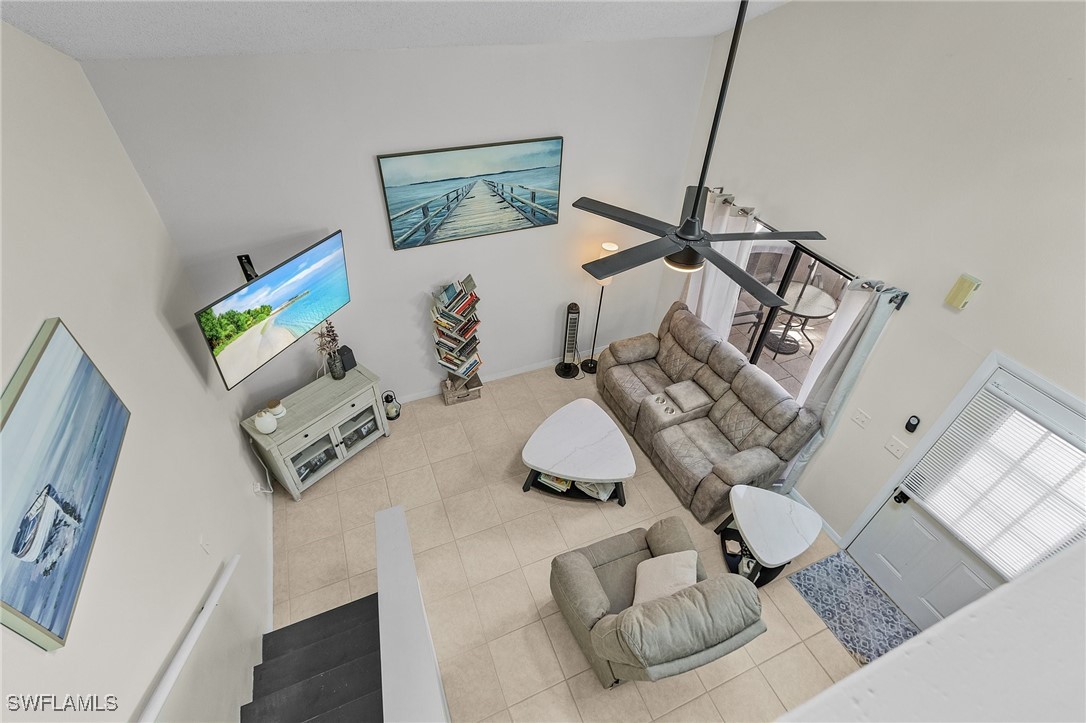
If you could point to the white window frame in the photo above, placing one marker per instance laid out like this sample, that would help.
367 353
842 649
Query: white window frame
995 361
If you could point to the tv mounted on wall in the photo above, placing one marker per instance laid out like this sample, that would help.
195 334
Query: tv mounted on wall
250 326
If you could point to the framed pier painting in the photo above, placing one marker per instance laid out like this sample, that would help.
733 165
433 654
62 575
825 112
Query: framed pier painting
61 430
453 193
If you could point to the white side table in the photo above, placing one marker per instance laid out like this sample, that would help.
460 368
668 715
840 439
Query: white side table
771 529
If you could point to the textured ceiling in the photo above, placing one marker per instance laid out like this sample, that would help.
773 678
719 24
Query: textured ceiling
92 30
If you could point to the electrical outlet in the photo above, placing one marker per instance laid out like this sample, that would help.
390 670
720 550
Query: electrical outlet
861 418
896 446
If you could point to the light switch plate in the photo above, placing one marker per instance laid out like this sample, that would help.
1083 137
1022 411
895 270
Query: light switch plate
861 418
896 447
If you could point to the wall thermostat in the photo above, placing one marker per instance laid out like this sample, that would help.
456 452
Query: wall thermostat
912 424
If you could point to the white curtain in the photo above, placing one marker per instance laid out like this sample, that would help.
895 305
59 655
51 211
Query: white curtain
709 293
860 320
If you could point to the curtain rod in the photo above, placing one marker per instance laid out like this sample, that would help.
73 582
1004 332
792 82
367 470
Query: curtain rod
897 299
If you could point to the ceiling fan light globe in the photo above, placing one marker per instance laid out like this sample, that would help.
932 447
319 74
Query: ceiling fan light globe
687 261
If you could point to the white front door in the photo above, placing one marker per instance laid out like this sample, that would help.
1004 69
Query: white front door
924 569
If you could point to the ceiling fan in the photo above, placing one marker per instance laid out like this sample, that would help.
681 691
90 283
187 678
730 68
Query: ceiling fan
686 247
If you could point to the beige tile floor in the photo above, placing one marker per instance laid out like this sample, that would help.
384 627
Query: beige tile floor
483 550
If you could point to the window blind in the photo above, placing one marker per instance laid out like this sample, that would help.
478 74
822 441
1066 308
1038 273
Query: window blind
1008 477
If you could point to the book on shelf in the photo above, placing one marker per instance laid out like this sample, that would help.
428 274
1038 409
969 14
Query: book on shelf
446 295
467 328
557 483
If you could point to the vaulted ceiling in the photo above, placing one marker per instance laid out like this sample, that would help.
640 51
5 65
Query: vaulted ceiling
92 30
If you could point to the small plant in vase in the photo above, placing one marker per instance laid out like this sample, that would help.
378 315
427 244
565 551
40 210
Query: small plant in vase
328 346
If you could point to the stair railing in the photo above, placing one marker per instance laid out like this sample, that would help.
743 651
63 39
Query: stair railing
411 688
169 677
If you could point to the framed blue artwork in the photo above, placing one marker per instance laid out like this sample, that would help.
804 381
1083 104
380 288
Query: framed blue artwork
60 437
453 193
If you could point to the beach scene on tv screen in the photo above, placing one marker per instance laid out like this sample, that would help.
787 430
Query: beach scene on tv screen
251 326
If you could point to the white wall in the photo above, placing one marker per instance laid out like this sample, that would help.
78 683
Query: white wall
82 240
924 140
1014 655
265 154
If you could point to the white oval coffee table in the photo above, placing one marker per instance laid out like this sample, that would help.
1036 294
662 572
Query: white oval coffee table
580 443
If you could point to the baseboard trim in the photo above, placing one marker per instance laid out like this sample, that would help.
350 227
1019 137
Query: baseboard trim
534 366
830 532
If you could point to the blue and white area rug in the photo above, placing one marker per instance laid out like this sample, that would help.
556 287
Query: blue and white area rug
853 607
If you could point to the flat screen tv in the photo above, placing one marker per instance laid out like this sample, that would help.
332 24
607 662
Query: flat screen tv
251 325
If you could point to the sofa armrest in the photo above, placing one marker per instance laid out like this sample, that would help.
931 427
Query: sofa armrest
669 535
682 624
604 361
635 349
574 583
748 466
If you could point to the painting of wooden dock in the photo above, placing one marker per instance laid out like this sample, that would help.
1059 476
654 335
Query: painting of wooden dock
454 193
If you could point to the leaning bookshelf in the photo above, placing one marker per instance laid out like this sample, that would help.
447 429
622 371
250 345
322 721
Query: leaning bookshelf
456 344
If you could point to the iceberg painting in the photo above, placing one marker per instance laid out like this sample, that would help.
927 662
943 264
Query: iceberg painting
60 438
454 193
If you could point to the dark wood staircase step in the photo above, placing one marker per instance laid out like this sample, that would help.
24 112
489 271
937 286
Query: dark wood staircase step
318 627
361 638
367 709
319 694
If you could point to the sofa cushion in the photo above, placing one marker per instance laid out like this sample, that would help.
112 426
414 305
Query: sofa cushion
630 383
685 346
675 361
726 361
614 562
661 576
689 451
767 399
738 424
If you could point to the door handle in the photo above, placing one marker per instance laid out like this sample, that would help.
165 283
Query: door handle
901 498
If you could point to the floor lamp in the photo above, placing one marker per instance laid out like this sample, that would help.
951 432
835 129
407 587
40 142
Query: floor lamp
588 366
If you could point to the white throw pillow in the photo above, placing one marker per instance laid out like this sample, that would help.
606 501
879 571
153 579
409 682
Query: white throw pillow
664 575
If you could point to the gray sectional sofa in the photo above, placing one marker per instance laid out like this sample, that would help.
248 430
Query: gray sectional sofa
706 417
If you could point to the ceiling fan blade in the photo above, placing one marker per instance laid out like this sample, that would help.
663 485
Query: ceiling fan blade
689 209
631 258
752 286
769 236
630 218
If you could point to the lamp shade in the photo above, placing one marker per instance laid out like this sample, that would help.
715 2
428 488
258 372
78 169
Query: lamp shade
606 249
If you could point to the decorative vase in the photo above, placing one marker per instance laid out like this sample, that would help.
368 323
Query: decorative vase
265 422
335 366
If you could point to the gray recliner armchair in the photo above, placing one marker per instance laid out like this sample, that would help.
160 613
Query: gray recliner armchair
594 588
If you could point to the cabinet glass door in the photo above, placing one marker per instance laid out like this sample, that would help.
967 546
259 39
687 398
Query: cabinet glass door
357 428
317 455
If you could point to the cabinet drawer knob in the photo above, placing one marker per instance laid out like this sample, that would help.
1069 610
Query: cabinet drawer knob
352 405
305 436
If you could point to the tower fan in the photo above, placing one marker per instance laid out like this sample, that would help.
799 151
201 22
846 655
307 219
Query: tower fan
567 368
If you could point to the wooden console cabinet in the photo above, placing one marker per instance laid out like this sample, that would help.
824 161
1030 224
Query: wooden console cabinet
326 423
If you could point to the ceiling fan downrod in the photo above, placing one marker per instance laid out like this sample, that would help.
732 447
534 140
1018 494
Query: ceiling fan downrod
691 230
